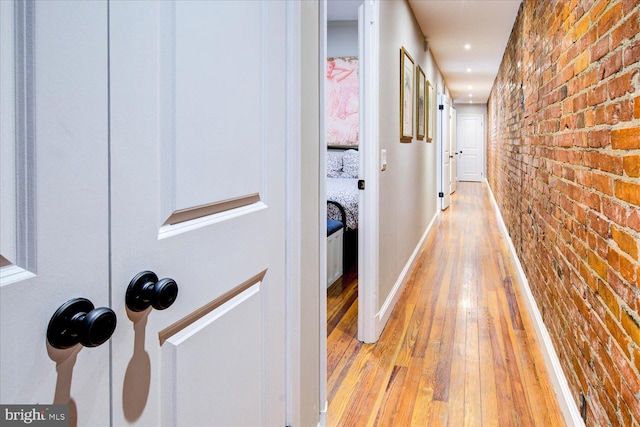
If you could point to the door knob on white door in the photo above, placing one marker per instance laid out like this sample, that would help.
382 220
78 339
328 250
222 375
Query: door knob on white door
146 290
78 321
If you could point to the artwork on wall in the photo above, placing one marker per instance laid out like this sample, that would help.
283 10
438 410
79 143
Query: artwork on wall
431 105
342 101
407 81
421 107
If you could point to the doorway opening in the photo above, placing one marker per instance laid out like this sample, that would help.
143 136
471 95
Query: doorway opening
343 141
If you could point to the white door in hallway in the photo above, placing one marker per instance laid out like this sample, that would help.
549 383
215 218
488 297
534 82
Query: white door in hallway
198 131
444 114
470 146
54 209
159 135
454 151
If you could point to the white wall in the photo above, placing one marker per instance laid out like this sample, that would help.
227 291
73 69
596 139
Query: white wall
342 38
471 109
408 194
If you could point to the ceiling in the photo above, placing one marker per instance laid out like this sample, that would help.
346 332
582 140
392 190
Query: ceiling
449 25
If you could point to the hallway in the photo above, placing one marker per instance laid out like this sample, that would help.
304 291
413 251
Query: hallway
459 348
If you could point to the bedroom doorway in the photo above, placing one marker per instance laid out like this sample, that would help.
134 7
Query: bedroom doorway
343 161
349 160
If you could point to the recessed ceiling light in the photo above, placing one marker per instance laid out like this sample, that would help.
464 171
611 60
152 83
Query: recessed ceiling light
467 46
468 70
470 87
470 95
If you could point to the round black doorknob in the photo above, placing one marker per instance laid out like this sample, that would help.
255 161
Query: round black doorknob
78 321
146 290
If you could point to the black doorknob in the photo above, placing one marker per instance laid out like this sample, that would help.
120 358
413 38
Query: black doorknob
78 321
146 290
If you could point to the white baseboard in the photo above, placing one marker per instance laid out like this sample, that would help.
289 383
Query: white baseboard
558 379
382 317
323 415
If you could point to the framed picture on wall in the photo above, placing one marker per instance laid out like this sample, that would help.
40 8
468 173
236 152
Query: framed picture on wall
407 91
421 106
431 113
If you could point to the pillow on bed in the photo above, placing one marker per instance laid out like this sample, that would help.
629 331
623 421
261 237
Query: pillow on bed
334 164
350 164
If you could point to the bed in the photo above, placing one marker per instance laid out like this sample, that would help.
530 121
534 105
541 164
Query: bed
342 185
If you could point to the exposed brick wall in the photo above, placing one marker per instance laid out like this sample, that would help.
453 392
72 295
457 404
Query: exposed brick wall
563 160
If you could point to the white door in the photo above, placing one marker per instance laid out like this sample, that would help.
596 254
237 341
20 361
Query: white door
198 100
445 151
54 200
154 140
454 152
470 144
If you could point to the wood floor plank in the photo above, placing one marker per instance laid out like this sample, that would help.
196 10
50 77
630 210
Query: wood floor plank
458 348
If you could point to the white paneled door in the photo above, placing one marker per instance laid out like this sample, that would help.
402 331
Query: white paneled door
444 114
470 145
155 148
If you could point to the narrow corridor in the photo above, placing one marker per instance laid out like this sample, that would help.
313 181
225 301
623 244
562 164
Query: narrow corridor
459 348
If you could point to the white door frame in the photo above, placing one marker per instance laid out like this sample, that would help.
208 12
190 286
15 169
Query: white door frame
368 236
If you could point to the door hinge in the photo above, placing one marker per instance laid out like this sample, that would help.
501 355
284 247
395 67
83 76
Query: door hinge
361 184
440 194
440 107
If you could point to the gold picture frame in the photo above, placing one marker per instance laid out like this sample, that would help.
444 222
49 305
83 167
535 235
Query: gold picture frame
407 93
431 104
421 104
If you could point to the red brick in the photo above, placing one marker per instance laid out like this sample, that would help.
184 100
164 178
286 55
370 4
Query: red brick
600 49
628 270
626 30
633 220
597 96
628 191
610 65
598 8
625 241
610 299
614 211
621 85
625 139
631 324
609 19
631 165
636 107
581 63
602 183
632 53
599 138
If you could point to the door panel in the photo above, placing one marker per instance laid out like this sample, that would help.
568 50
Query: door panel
198 127
55 244
219 128
236 365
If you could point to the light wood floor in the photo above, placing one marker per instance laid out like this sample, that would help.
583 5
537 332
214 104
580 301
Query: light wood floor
459 348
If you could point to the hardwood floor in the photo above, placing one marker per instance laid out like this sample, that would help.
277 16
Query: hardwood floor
458 349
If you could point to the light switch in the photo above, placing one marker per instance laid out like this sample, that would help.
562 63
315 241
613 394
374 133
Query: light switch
383 160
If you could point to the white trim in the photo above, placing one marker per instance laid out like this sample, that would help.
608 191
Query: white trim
368 241
293 194
385 311
559 381
322 205
323 415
